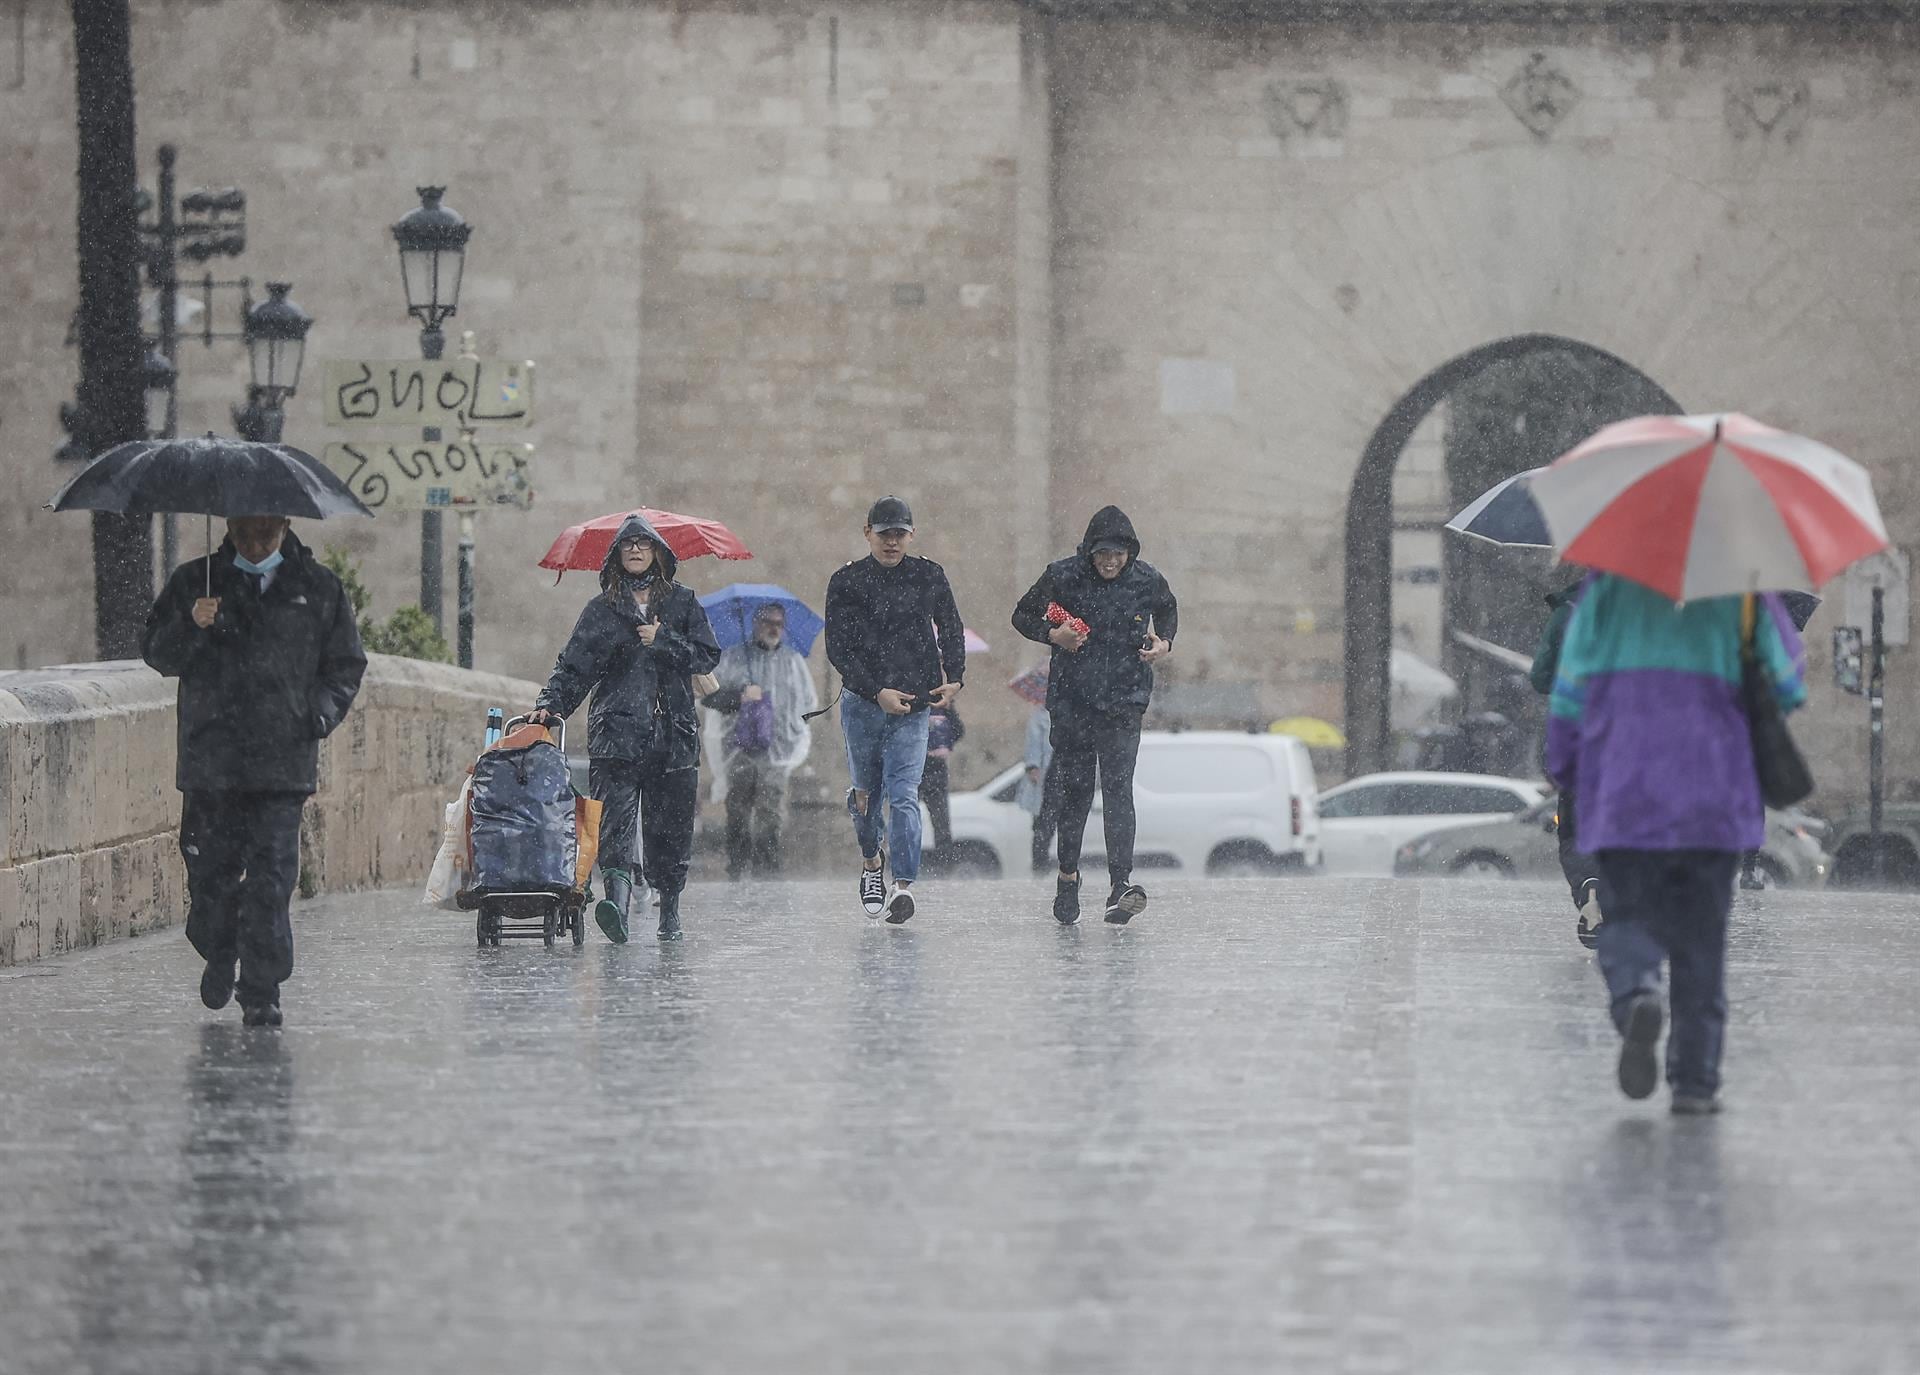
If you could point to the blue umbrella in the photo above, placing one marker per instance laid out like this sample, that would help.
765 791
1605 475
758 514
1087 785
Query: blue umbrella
732 609
1505 515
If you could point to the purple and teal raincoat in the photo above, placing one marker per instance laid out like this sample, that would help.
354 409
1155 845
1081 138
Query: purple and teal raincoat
1646 730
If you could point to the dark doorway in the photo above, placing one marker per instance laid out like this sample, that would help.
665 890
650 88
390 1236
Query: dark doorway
1515 404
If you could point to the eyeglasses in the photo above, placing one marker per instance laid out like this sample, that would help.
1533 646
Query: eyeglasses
627 546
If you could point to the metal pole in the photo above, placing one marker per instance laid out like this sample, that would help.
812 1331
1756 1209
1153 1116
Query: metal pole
169 285
433 345
1877 733
112 398
466 589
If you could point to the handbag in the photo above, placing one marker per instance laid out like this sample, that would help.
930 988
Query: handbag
1784 776
753 727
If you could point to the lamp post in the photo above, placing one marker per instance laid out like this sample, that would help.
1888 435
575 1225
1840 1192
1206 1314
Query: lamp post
433 251
276 335
158 375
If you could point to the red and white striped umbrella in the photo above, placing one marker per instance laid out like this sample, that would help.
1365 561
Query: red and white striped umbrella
1709 505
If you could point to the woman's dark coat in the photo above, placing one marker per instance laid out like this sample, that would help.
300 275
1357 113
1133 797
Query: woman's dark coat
636 690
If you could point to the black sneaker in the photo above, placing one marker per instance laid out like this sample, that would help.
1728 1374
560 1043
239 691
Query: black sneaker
262 1014
873 890
216 985
900 908
1066 901
1695 1104
1127 901
1639 1070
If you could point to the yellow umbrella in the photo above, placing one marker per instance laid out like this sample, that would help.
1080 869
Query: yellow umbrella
1311 731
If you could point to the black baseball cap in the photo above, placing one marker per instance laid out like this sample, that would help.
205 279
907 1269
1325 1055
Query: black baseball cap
890 513
1112 543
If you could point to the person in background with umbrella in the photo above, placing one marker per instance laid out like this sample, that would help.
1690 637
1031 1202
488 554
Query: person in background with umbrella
895 636
262 637
766 691
1110 618
1672 679
636 647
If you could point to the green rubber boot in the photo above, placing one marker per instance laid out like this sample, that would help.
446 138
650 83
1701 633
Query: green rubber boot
611 911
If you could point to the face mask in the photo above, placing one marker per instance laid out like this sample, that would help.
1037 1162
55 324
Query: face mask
266 565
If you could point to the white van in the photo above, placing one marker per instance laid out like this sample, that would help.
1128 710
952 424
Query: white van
1209 802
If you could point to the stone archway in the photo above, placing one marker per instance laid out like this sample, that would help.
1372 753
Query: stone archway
1370 528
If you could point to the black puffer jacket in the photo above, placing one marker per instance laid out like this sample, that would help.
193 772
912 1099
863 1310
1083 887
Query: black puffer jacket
636 690
1106 671
267 682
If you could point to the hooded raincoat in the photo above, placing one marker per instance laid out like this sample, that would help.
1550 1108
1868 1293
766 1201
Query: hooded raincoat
1106 671
637 691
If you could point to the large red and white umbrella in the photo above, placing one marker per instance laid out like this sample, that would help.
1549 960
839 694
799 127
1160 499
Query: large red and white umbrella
1709 505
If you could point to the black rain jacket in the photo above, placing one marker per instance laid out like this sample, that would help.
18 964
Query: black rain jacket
881 625
267 682
636 690
1106 672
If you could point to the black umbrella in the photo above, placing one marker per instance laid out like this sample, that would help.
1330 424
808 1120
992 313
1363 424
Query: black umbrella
209 477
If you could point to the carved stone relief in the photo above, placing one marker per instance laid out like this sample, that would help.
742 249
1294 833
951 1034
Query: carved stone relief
1316 106
1540 95
1777 109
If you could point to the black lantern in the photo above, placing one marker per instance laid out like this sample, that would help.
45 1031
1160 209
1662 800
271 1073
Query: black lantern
277 343
433 251
157 376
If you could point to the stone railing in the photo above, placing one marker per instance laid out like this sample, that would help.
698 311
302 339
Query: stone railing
89 814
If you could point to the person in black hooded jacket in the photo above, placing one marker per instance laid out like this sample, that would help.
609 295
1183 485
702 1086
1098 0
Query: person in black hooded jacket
262 638
1098 687
636 648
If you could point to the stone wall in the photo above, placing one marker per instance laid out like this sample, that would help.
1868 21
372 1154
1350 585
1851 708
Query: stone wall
1270 232
90 815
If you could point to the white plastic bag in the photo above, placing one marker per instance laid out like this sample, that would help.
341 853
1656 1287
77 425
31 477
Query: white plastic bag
444 879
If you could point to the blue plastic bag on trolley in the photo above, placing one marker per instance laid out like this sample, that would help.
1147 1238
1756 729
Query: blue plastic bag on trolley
521 821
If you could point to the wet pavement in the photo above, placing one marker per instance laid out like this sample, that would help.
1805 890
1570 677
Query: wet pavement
1318 1125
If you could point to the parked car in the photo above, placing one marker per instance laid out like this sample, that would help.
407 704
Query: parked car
1209 802
1365 821
1528 846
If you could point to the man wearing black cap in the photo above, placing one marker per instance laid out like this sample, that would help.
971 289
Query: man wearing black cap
1109 618
882 615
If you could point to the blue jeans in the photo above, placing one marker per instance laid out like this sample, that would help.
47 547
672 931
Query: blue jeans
885 755
1671 905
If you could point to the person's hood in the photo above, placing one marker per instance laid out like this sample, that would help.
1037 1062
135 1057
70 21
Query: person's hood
1110 523
637 524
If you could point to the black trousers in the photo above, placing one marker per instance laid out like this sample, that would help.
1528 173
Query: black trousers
1047 820
933 792
1577 868
660 803
1084 740
243 861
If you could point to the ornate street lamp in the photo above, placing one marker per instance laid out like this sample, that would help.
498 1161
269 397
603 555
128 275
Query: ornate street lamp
277 343
433 253
276 334
158 375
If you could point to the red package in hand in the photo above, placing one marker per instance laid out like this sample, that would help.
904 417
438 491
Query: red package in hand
1059 615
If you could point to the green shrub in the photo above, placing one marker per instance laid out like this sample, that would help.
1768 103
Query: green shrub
408 632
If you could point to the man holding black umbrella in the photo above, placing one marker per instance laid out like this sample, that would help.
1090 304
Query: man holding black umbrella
262 638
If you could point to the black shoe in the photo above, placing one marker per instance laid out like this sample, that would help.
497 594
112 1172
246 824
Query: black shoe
873 890
1066 901
260 1014
1127 901
1639 1070
669 916
900 908
1695 1105
216 985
